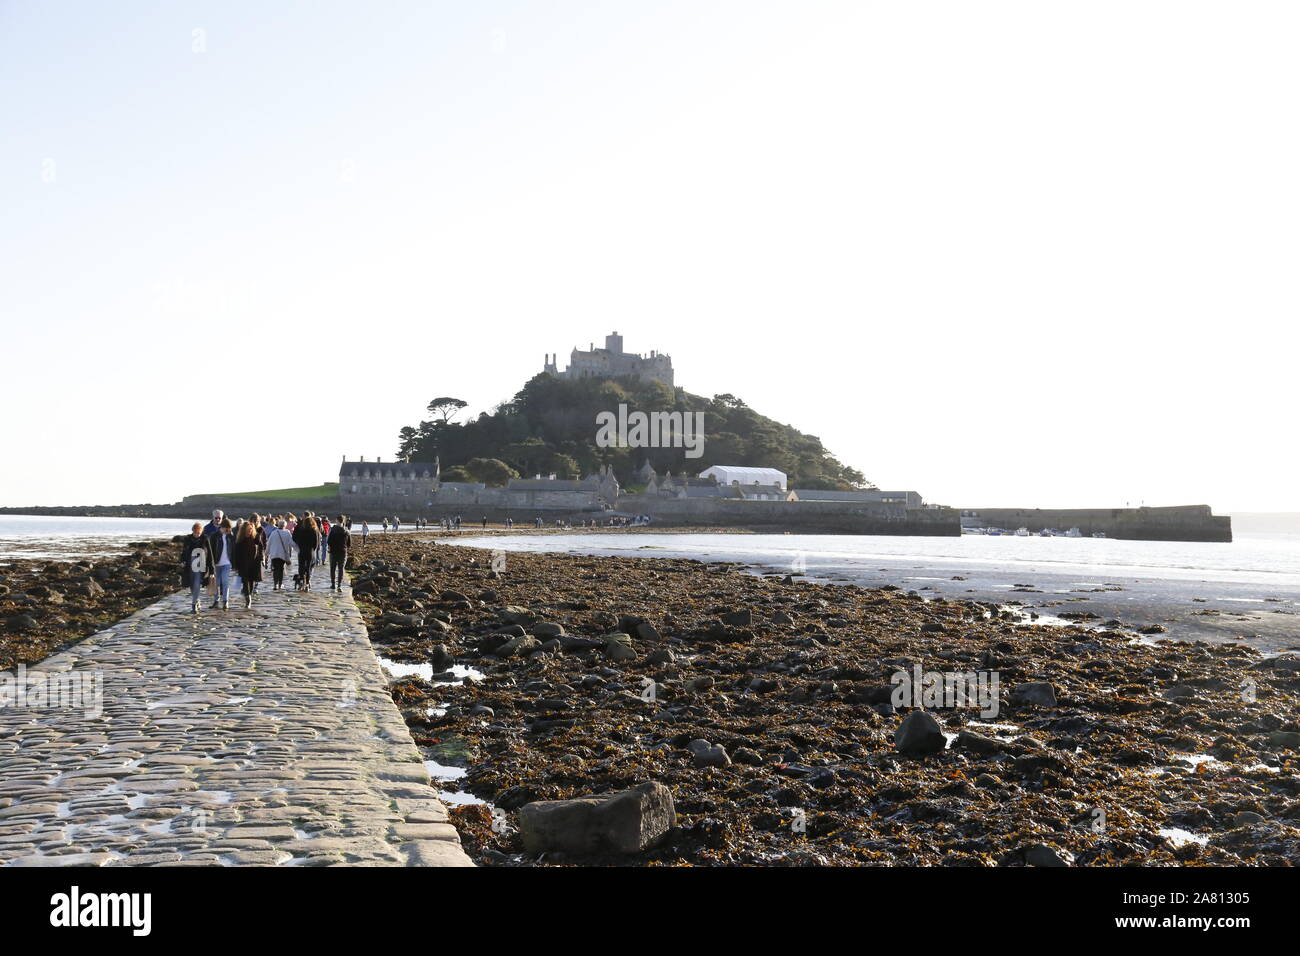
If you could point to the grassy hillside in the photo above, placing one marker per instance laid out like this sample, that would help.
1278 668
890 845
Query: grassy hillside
327 490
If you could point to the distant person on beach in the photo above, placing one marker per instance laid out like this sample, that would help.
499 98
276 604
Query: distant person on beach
339 541
214 526
385 525
248 559
196 563
365 532
307 537
223 559
280 550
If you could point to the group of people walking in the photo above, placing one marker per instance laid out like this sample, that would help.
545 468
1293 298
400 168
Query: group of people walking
213 551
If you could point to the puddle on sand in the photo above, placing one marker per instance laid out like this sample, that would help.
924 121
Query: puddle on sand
425 671
462 799
1196 760
442 773
1180 837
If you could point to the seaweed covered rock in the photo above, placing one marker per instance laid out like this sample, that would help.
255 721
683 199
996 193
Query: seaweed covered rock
627 822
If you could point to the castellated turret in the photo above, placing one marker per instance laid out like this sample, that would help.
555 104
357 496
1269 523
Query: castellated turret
613 362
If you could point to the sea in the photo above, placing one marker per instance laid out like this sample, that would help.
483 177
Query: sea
1247 590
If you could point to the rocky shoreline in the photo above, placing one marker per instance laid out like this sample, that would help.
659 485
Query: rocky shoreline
47 605
764 707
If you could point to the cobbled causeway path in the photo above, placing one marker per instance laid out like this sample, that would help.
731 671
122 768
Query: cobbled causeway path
244 737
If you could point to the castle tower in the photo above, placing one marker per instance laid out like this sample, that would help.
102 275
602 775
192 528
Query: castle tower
614 343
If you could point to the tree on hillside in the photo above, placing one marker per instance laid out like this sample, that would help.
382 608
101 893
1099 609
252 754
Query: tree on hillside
444 409
493 472
409 439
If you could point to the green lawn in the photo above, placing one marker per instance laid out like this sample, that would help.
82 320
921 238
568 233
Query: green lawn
327 490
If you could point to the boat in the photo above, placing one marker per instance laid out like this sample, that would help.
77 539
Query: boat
1048 533
1074 533
1099 534
1022 532
994 532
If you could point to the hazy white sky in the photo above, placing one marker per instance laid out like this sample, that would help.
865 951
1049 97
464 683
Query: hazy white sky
1025 253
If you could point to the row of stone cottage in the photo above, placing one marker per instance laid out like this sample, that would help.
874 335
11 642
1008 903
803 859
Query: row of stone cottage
403 487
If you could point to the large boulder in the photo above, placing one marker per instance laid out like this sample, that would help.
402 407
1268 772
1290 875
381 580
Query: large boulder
742 617
626 822
521 645
21 623
1037 693
919 733
708 755
513 614
618 647
1040 854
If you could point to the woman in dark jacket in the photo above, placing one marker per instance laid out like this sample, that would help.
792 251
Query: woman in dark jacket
196 563
263 527
248 560
307 537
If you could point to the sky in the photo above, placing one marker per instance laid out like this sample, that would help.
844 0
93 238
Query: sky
1003 253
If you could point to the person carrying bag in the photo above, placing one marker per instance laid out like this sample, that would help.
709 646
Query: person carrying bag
196 564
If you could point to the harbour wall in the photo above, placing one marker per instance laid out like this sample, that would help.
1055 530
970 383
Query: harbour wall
798 517
1178 523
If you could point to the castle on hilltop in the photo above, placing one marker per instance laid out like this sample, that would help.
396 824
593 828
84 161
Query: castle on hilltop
613 362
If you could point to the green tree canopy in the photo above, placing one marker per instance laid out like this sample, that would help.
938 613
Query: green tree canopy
550 426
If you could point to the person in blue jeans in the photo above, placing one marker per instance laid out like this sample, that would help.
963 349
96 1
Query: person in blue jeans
196 563
223 558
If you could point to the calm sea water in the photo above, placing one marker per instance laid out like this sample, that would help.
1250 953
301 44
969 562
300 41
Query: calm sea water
44 536
1266 559
1246 590
68 539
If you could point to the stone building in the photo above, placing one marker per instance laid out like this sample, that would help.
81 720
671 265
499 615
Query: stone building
400 482
613 362
415 488
684 486
745 475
